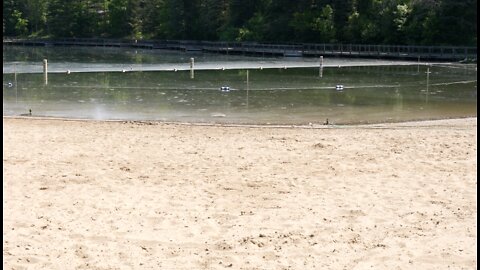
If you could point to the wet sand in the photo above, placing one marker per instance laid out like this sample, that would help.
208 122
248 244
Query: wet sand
139 195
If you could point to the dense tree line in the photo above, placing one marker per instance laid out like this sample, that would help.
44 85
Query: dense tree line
411 22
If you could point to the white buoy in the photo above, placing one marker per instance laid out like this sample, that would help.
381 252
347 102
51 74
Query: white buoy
123 70
225 89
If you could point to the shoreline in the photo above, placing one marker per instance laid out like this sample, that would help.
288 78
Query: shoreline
300 126
136 195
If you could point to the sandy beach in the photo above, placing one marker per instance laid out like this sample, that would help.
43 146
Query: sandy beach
143 195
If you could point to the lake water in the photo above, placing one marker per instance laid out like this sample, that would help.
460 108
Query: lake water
265 91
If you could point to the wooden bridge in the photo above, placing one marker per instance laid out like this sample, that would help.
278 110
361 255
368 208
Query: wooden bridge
440 53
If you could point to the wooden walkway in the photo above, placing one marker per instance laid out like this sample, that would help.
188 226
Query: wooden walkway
440 53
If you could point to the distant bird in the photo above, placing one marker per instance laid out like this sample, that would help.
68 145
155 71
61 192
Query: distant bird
68 71
339 87
326 122
27 114
223 68
175 69
123 70
10 84
261 68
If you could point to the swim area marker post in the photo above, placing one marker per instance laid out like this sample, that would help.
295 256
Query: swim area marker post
192 64
15 81
248 86
428 79
45 71
15 73
320 70
418 65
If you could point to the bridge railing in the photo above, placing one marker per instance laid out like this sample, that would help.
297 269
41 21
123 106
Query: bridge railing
307 49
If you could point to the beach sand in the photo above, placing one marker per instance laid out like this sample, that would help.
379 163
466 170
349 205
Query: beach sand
139 195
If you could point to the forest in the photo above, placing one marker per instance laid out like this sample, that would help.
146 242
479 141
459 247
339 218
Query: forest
400 22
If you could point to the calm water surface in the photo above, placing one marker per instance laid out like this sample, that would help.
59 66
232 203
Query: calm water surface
268 96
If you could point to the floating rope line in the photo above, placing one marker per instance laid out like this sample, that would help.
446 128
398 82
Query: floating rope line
470 67
459 82
59 68
232 89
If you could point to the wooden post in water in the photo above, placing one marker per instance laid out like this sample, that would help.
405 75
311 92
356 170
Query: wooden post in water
418 65
428 79
248 86
192 64
45 71
320 70
15 81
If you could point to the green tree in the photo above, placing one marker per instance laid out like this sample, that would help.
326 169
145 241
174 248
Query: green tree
212 19
14 21
392 19
73 19
246 20
341 11
61 18
421 22
193 29
118 25
363 23
240 11
278 16
175 19
21 24
457 22
154 23
254 30
36 12
314 25
135 18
